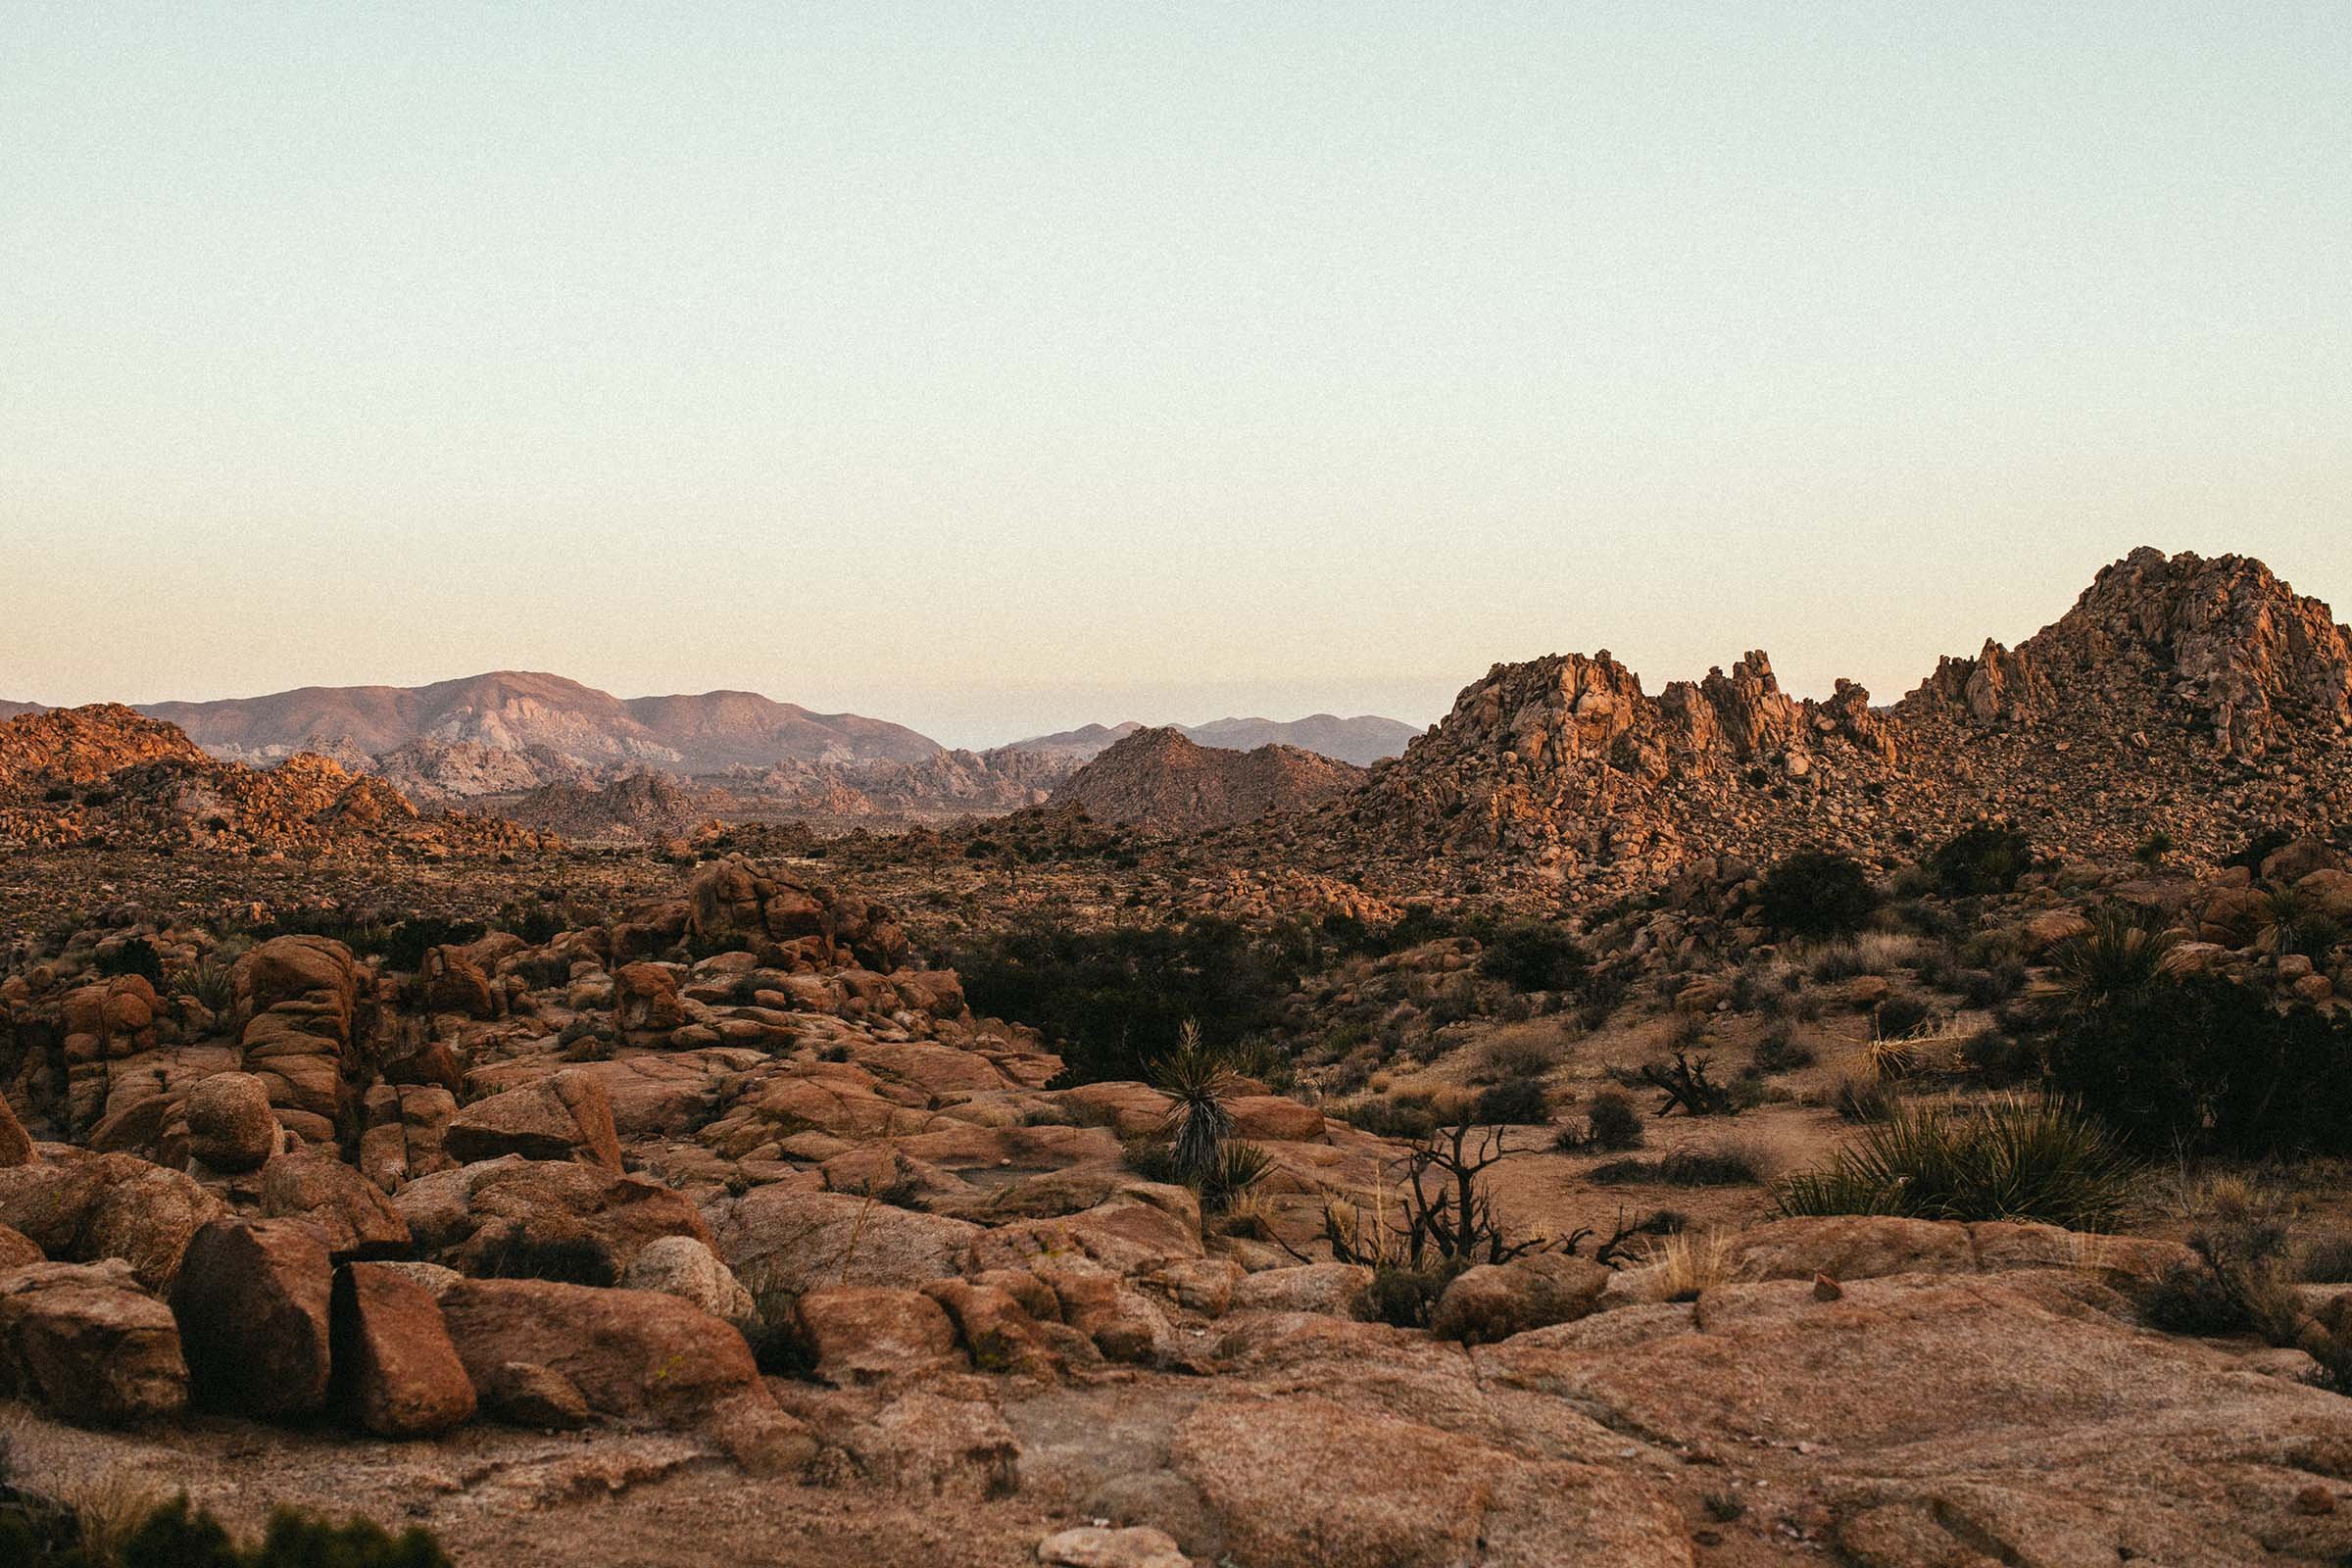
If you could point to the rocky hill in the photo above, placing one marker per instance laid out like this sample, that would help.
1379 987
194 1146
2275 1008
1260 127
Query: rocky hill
2200 699
527 713
9 710
1161 781
106 774
1364 740
636 807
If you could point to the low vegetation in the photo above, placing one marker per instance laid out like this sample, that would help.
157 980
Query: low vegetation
2013 1158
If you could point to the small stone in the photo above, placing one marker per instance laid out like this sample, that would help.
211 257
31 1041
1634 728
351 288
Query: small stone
1826 1289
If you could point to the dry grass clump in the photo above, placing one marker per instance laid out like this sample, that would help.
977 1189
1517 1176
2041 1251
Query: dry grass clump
1683 1266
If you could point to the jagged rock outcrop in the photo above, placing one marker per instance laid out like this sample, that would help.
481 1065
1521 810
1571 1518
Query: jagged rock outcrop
105 773
2199 697
1160 781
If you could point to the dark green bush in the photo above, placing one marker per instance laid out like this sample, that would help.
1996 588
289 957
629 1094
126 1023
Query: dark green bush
1613 1122
132 955
1685 1167
1816 892
1534 955
1113 1002
2199 1061
1516 1101
1404 1297
1392 1118
1985 858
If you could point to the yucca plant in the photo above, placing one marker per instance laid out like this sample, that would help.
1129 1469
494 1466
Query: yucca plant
2013 1158
1238 1167
2119 959
1197 1082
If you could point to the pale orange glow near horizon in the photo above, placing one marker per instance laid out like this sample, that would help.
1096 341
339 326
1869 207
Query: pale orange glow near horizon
995 373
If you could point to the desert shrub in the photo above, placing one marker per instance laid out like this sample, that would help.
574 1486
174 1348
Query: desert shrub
533 921
1534 955
1240 1166
1779 1050
1727 1166
2200 1063
210 982
2152 849
1990 988
1898 1015
132 955
1404 1297
1515 1101
404 947
2292 923
1983 859
1499 1060
1840 960
1816 892
1865 1100
2325 1260
1613 1121
2015 1158
1384 1117
1113 1002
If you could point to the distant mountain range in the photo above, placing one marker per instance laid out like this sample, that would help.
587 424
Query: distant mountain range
514 710
1362 740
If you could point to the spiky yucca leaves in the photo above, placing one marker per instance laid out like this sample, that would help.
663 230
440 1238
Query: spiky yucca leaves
2116 960
2291 922
2013 1158
1197 1082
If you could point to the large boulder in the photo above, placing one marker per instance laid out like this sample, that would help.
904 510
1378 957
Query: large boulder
471 1216
80 1208
252 1301
563 1116
686 1268
1496 1301
867 1334
395 1368
300 998
349 1211
86 1342
1302 1479
16 1145
785 1242
231 1126
630 1354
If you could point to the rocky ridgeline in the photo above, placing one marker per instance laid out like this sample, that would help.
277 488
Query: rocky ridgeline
107 774
2199 698
1163 782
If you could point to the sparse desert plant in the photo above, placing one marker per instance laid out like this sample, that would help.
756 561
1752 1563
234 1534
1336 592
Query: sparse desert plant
1612 1122
1239 1167
1515 1056
1198 1083
1817 893
210 982
1865 1100
1728 1165
1684 1085
1778 1050
1534 955
1983 857
2011 1158
2118 961
2152 849
1519 1101
1685 1265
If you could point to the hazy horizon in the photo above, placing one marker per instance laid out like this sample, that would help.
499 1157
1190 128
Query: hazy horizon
1000 372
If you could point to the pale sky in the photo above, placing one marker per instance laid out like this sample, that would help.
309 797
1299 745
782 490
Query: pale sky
998 368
